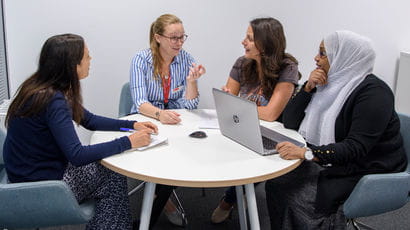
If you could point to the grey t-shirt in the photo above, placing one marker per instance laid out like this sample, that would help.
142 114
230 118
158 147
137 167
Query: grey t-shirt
254 92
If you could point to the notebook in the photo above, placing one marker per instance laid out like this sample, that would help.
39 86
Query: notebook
155 140
238 120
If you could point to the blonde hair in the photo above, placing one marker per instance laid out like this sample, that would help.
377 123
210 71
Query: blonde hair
158 27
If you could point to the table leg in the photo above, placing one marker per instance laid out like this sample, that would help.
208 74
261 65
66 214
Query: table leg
147 201
241 207
252 208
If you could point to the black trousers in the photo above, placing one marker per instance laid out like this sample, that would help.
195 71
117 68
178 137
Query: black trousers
162 193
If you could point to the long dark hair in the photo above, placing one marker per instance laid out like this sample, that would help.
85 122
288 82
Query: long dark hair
57 71
270 40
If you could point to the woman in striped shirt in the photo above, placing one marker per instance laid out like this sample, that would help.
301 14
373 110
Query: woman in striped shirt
164 76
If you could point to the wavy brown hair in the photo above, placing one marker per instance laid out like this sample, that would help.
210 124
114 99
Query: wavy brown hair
158 27
270 40
57 72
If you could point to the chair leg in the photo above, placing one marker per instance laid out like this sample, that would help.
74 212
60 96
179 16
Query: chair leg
357 224
141 185
351 222
179 204
180 208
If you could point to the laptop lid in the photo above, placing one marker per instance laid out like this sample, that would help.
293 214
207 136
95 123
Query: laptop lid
238 119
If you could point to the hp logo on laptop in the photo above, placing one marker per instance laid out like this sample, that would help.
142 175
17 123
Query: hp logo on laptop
235 119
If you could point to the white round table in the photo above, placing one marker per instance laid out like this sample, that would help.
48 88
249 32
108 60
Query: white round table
214 161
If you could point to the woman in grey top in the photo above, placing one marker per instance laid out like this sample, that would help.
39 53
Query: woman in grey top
266 75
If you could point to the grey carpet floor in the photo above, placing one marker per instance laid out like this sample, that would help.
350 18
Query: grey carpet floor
199 208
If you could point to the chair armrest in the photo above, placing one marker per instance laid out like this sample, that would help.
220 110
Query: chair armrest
378 193
41 204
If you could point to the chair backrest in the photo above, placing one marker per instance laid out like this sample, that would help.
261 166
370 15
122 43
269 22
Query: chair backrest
41 204
379 193
405 133
125 100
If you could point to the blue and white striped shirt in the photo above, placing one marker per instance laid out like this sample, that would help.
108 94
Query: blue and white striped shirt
144 88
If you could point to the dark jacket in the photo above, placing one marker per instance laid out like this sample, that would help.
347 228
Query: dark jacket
367 135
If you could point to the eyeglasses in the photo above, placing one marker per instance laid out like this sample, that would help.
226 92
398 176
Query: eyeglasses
322 53
175 39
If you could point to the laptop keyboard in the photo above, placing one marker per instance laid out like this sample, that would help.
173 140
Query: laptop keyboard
268 143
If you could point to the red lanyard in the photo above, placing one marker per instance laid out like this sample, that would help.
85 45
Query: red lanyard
166 86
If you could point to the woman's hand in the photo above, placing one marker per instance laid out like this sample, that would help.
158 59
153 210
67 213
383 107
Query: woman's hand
289 151
317 77
140 138
169 117
146 125
195 72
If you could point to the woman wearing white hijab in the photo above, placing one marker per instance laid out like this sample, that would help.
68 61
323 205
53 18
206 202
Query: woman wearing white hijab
347 117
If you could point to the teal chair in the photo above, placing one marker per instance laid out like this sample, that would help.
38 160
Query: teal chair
125 101
380 193
39 204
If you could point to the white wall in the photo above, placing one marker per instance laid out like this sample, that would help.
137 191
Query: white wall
116 30
403 82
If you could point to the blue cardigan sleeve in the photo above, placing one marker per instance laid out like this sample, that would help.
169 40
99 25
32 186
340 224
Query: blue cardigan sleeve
94 122
59 120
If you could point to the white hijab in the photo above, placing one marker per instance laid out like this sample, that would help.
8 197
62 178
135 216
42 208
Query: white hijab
351 58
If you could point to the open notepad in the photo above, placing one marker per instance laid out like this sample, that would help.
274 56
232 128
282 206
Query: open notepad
209 120
155 140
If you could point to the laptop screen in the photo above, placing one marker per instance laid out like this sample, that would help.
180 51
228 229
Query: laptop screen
238 119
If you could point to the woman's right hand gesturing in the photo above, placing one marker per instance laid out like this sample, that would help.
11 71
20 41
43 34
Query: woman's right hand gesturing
140 138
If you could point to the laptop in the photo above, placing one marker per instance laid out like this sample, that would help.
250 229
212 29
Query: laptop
238 120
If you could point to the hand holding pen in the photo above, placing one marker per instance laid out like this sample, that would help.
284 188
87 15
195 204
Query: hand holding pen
140 138
141 133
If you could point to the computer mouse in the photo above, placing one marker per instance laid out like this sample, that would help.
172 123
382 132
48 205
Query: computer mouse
198 134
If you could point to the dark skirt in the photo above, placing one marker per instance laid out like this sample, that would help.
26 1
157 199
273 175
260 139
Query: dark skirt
291 201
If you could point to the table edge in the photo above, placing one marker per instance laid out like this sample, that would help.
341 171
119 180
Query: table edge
200 184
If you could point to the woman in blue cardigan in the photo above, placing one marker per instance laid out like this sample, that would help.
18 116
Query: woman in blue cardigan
42 144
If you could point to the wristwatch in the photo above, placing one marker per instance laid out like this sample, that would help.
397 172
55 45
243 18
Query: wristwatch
157 114
309 154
